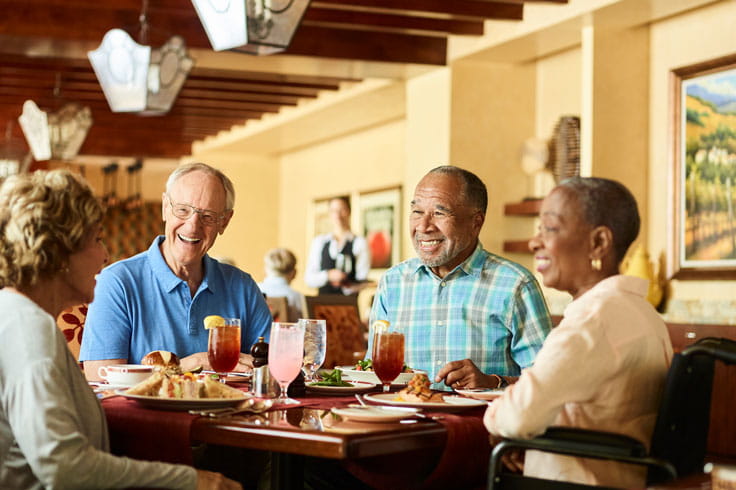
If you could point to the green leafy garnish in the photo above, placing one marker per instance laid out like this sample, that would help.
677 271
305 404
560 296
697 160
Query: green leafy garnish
364 365
333 378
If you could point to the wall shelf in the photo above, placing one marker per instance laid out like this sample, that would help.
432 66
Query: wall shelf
527 207
516 246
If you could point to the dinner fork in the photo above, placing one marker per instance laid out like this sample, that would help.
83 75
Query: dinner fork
416 414
251 405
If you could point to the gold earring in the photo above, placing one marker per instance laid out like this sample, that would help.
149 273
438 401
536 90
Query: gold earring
596 264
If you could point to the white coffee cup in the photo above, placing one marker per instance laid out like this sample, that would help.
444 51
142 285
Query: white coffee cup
125 374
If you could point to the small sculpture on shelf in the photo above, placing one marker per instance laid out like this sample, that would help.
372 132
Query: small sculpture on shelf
564 148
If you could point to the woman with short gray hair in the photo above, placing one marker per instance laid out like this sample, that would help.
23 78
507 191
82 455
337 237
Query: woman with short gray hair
603 367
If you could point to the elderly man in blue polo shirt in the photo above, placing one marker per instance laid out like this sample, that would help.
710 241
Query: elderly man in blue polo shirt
470 318
158 299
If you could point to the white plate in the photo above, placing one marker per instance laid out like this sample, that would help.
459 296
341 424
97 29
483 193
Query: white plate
370 377
481 393
182 404
375 414
98 387
355 387
450 404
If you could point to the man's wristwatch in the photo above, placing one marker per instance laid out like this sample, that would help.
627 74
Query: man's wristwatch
502 383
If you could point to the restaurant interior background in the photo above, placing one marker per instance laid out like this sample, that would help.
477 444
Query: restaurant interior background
607 61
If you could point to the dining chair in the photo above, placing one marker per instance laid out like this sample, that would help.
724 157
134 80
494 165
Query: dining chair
279 307
346 333
678 444
71 322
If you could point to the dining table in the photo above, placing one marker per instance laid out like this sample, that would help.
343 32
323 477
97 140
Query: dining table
445 446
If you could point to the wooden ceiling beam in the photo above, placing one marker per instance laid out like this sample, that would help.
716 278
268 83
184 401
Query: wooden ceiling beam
369 46
485 9
80 71
328 17
252 88
102 141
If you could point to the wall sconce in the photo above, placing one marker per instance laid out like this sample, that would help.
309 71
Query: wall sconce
57 135
135 78
258 27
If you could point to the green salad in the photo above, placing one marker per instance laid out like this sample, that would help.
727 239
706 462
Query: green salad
333 378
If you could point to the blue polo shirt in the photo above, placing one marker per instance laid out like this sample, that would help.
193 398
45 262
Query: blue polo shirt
140 305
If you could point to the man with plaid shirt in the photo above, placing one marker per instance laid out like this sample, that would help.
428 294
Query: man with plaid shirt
470 318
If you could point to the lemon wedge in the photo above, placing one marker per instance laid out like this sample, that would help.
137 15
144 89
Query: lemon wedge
213 321
380 326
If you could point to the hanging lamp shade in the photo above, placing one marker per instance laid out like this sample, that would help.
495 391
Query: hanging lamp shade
258 27
135 78
121 66
57 135
35 125
167 72
223 21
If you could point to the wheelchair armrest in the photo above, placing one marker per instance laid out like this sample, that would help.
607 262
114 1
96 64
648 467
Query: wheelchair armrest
584 444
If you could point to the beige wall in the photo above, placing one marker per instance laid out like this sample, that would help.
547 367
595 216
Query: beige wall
253 228
493 112
363 161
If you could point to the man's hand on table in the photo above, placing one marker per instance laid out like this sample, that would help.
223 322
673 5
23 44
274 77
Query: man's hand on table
466 375
207 480
245 363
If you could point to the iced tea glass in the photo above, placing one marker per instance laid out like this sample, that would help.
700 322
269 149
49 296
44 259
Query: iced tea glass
388 356
223 347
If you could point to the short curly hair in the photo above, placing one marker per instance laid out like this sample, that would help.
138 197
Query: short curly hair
45 217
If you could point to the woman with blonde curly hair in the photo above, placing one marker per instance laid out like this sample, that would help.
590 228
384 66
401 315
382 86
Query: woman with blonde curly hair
53 432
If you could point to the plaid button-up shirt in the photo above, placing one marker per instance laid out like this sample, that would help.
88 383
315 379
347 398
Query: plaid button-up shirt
488 309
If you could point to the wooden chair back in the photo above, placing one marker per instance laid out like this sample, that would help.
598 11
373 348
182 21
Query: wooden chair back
346 333
71 322
279 307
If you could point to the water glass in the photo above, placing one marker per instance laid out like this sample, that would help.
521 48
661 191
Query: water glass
285 355
315 346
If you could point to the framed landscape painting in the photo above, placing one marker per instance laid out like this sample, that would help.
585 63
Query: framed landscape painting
702 241
380 224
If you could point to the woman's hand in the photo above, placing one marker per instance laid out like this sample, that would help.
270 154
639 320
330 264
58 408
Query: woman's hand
207 480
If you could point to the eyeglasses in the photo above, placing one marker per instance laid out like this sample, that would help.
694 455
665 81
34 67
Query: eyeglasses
185 211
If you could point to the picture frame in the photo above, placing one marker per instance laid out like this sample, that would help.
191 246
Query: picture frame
702 218
380 224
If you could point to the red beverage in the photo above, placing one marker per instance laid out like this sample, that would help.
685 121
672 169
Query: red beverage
388 356
223 349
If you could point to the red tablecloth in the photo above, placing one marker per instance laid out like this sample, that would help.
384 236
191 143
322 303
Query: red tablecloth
143 433
462 462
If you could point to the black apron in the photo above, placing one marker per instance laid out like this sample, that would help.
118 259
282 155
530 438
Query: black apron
344 261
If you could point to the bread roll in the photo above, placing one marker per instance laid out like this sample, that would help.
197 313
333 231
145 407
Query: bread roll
161 358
